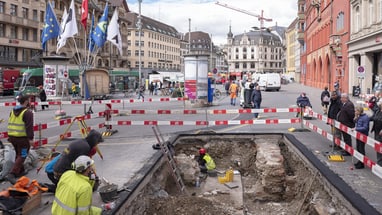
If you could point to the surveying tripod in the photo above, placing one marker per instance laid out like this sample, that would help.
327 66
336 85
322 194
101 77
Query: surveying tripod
84 129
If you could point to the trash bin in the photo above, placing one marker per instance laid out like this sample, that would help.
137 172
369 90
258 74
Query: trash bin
356 91
210 96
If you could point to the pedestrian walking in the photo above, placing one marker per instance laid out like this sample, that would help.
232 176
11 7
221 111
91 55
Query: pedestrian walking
233 89
226 87
21 134
361 125
75 191
256 99
346 116
42 95
303 102
372 103
325 99
151 88
74 90
141 92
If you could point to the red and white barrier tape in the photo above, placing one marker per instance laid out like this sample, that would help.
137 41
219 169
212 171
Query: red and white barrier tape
203 122
112 101
223 111
376 145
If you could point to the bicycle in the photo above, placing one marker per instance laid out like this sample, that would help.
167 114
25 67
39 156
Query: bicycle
217 93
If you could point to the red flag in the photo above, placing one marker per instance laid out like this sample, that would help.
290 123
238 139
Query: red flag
84 13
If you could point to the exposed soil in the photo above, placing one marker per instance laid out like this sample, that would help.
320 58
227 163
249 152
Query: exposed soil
301 190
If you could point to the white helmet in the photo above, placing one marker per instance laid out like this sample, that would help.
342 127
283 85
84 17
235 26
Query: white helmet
82 163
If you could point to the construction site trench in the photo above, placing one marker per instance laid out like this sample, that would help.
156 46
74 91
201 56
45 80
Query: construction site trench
273 174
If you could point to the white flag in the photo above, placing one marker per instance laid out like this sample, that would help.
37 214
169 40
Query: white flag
60 42
70 26
113 33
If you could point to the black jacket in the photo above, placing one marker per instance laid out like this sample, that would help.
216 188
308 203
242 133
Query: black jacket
303 101
323 94
346 114
76 149
334 108
256 96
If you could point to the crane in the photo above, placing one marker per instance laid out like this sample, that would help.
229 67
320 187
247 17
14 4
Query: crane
261 17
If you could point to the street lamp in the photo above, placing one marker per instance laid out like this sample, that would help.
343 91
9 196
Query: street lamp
139 25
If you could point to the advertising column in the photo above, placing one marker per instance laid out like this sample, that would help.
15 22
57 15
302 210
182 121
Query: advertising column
196 79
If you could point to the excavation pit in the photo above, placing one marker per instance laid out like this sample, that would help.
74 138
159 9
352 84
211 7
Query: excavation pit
273 174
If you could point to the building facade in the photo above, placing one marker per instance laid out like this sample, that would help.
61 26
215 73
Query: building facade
21 24
323 33
159 48
365 45
290 45
255 51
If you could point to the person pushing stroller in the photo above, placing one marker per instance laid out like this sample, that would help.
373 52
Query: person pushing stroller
303 102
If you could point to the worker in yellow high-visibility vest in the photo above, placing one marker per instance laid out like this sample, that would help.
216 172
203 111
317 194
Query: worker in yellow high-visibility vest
21 134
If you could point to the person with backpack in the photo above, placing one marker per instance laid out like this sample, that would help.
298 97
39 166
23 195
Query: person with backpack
141 92
226 87
325 99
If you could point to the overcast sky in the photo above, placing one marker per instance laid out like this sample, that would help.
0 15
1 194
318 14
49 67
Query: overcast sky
211 18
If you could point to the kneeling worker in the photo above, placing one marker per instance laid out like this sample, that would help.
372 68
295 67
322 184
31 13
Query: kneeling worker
74 191
206 163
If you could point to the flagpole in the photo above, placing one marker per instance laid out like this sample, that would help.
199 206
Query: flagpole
140 47
90 32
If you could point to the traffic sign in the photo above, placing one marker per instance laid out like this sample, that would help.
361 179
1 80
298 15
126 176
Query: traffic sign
361 72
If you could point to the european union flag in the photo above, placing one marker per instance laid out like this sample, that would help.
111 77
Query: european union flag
99 33
91 41
51 28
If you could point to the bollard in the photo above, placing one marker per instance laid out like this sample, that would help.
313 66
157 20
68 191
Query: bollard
39 135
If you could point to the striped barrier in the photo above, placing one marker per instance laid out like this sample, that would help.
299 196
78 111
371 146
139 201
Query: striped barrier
212 112
112 101
376 145
203 122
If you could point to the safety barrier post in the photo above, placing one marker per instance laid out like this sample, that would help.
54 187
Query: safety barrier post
107 115
39 135
301 117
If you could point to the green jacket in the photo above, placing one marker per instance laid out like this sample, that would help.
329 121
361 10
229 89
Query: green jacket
210 163
74 195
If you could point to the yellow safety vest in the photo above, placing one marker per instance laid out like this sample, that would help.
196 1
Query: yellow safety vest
74 196
16 125
210 163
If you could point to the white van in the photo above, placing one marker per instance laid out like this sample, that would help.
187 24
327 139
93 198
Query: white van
268 81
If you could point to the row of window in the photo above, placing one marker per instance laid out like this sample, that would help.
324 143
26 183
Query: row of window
244 56
13 10
252 65
13 31
8 53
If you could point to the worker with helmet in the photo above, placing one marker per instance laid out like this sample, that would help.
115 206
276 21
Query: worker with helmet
206 163
59 165
74 191
77 148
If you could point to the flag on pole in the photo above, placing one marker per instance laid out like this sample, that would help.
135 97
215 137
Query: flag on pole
84 13
99 33
91 41
51 28
60 42
70 26
113 33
